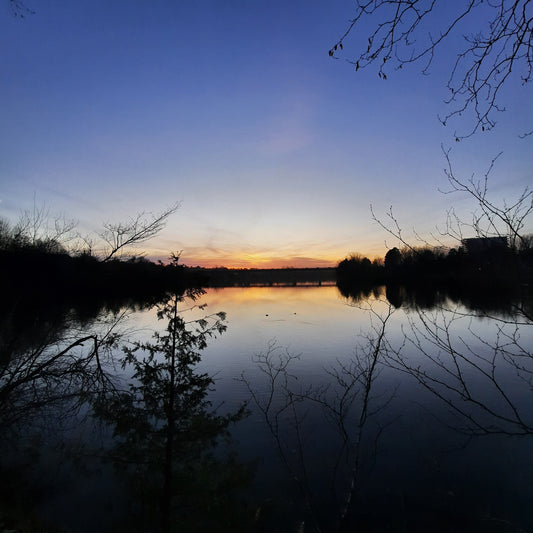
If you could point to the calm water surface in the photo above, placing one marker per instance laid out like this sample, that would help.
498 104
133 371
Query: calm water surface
410 436
421 462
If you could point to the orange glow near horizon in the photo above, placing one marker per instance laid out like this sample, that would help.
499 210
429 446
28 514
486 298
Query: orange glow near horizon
245 258
250 262
255 260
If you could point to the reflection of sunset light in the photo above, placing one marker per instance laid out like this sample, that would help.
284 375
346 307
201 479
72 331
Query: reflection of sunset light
292 307
302 299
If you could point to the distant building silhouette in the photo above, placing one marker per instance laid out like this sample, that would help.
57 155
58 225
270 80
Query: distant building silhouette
476 245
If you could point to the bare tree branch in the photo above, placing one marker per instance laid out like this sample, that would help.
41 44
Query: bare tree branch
392 226
470 373
63 369
505 220
412 31
141 228
19 9
38 227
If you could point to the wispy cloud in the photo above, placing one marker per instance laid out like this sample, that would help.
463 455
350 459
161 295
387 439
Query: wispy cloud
290 129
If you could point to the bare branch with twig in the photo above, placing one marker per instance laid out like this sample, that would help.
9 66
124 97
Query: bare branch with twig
139 229
404 32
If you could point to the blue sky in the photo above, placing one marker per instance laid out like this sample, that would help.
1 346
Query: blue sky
274 150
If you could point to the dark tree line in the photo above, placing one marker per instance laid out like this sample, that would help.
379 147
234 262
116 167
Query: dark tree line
458 268
46 255
84 277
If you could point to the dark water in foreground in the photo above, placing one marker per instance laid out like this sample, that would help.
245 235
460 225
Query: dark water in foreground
361 417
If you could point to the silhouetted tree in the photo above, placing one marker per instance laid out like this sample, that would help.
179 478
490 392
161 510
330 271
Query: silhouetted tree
356 271
165 427
497 43
139 229
392 258
492 218
39 229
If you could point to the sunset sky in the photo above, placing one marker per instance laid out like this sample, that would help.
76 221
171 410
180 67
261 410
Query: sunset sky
274 150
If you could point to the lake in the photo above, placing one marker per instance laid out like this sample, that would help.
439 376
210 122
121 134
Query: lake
360 415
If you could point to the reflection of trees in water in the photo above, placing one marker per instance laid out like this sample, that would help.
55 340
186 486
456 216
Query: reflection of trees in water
51 363
483 372
483 300
479 369
166 431
357 294
414 297
52 350
57 365
478 365
474 376
348 404
53 367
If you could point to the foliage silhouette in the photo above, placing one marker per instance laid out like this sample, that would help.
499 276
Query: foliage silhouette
53 362
494 272
56 359
166 431
39 230
490 276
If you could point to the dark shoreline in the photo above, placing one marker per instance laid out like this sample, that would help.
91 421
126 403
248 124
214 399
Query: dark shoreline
243 277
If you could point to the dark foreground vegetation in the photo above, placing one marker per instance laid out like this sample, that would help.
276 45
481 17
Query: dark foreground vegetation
85 276
58 363
45 256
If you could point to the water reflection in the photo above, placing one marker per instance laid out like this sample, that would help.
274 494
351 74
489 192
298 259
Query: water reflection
486 300
165 431
458 372
346 399
51 364
371 427
480 372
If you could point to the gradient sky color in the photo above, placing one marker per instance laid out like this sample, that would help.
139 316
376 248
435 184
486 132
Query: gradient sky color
233 108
